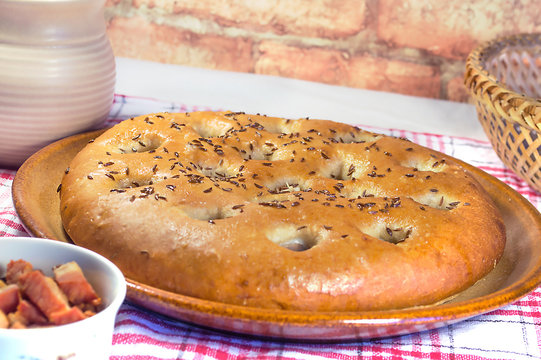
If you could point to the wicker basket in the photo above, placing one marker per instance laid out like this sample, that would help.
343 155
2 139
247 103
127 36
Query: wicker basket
504 79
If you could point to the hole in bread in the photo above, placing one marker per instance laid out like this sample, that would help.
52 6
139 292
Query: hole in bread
260 153
211 213
139 143
437 200
344 168
283 186
335 170
364 191
292 237
391 233
211 129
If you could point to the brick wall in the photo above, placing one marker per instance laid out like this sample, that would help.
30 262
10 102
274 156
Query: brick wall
415 47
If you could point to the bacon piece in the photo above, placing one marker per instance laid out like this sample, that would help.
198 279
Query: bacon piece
29 314
72 282
43 292
15 269
9 298
4 322
70 315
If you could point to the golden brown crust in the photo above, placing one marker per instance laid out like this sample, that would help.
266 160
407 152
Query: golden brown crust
276 213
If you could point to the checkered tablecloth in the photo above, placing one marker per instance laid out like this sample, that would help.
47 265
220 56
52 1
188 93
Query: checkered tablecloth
512 332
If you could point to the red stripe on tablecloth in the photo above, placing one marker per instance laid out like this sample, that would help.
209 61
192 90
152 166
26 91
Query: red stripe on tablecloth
240 344
428 142
537 322
502 171
181 344
517 312
11 224
7 174
511 179
207 346
435 343
395 352
140 357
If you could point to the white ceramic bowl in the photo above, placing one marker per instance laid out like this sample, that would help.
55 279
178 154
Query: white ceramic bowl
90 338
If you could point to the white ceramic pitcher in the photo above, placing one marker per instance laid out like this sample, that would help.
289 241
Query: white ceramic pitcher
57 73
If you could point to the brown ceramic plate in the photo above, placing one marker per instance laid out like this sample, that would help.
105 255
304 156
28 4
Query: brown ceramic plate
519 272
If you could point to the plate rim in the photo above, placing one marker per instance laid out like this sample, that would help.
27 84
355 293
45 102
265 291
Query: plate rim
425 315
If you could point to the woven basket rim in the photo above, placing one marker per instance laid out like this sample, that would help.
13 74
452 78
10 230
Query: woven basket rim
480 82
